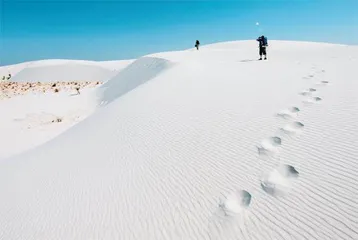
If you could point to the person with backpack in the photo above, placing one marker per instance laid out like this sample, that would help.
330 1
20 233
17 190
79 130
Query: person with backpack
262 46
197 43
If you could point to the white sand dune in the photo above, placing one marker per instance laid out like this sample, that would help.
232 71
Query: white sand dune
27 121
116 65
12 69
52 70
207 144
31 120
137 73
63 73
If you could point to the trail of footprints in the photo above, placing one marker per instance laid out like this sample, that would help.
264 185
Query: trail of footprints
278 181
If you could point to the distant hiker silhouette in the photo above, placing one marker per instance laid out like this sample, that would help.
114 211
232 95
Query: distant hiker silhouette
197 43
262 46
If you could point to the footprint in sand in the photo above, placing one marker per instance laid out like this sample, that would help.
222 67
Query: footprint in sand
278 182
293 128
305 93
289 113
318 71
322 83
228 220
308 92
269 146
236 202
308 76
311 100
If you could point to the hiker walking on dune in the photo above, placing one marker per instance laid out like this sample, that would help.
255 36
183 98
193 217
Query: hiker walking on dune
197 43
262 46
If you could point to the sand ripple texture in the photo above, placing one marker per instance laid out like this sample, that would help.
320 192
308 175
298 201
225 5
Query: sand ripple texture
218 146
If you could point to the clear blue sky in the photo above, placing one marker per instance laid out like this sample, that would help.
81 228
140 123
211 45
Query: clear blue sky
115 29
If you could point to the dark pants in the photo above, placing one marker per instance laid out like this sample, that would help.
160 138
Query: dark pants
262 51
